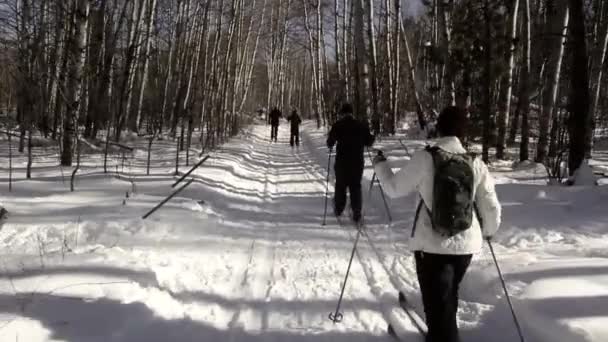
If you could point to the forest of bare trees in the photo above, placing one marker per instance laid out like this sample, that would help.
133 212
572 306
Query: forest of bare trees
529 72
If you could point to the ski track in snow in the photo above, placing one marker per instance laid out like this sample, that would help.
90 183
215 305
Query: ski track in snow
241 255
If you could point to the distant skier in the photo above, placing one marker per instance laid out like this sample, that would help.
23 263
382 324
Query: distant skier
295 120
351 136
457 210
274 117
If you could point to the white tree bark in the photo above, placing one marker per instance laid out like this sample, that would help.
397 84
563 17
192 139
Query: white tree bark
599 61
373 62
558 28
505 102
411 73
146 66
362 93
74 85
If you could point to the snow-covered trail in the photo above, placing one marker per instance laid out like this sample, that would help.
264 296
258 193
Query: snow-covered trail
241 255
238 256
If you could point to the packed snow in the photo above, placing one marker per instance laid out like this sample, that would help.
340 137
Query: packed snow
241 254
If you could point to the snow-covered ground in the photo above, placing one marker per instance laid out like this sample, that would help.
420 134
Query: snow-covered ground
241 255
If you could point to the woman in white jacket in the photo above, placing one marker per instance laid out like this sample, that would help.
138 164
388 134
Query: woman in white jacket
441 260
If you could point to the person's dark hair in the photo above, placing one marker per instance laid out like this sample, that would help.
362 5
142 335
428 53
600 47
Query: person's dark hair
452 122
347 108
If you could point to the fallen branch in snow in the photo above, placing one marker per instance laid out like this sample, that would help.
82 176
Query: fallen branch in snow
191 170
167 199
113 143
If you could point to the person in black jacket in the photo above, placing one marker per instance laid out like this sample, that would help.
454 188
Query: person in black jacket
274 117
295 120
351 136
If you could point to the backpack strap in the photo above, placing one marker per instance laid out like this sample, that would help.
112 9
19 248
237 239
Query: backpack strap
421 203
432 150
479 219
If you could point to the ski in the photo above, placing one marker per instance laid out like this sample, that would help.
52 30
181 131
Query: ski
412 314
357 225
392 333
405 324
401 329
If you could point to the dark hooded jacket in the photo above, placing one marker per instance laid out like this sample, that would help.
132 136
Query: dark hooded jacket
352 136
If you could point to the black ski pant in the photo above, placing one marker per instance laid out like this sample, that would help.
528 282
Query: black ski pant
439 277
295 137
348 177
274 132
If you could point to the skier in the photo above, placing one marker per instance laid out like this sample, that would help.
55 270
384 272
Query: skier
457 210
295 120
274 117
351 136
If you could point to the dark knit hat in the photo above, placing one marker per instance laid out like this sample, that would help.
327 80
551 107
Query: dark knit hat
452 122
347 108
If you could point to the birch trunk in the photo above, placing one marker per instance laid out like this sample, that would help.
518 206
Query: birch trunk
505 102
373 62
362 92
282 49
599 61
315 85
337 39
524 94
73 89
253 58
558 26
346 33
447 74
145 71
411 73
487 90
138 42
320 88
580 116
124 94
169 74
396 67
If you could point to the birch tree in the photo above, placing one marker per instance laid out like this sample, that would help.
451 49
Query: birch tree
77 45
558 25
579 106
507 86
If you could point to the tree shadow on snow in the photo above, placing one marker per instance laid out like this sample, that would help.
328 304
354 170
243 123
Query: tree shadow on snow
109 320
141 277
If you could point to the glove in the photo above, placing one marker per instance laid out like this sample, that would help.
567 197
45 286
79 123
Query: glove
379 158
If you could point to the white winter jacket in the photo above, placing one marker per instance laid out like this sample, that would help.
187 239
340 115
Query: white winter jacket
417 175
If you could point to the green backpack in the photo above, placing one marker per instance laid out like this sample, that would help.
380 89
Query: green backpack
453 191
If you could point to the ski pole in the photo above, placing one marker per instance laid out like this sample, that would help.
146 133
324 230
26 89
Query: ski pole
375 177
407 151
504 287
337 316
327 186
371 185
